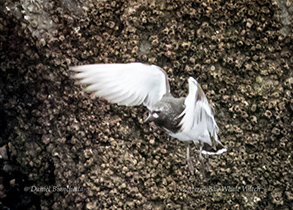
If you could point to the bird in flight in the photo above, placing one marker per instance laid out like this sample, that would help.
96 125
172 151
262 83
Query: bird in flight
187 118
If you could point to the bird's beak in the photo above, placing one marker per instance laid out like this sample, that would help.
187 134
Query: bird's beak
149 118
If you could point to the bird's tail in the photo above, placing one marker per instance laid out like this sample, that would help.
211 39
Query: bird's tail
216 149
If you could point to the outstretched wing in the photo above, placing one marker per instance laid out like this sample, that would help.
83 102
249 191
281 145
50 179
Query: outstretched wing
128 84
197 115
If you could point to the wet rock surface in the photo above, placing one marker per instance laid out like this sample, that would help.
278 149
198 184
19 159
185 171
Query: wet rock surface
61 148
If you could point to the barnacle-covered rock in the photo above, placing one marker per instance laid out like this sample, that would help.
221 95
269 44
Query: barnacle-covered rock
59 134
277 197
34 14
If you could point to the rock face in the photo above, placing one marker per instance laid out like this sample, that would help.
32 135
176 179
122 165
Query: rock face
64 149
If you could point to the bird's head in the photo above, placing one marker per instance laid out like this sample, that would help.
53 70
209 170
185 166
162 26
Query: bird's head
153 115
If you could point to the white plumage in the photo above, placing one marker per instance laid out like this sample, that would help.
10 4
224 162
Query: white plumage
129 84
134 84
198 115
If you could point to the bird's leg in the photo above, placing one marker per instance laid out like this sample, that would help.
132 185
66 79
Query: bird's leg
202 169
200 151
189 162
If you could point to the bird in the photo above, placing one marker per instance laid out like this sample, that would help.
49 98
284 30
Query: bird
189 119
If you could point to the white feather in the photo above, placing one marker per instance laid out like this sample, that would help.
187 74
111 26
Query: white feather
198 121
128 84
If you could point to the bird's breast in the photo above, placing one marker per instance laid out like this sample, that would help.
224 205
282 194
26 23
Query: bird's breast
168 118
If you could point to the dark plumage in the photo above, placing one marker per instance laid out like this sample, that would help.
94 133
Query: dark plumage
187 119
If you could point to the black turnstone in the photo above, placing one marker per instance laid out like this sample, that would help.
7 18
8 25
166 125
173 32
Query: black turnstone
133 84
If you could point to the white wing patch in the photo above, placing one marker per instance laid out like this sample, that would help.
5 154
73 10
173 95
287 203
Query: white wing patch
198 120
128 84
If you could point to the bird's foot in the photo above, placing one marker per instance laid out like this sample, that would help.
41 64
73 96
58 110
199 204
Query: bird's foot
190 166
201 157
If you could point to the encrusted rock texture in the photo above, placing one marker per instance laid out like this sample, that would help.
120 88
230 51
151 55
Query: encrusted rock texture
62 148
